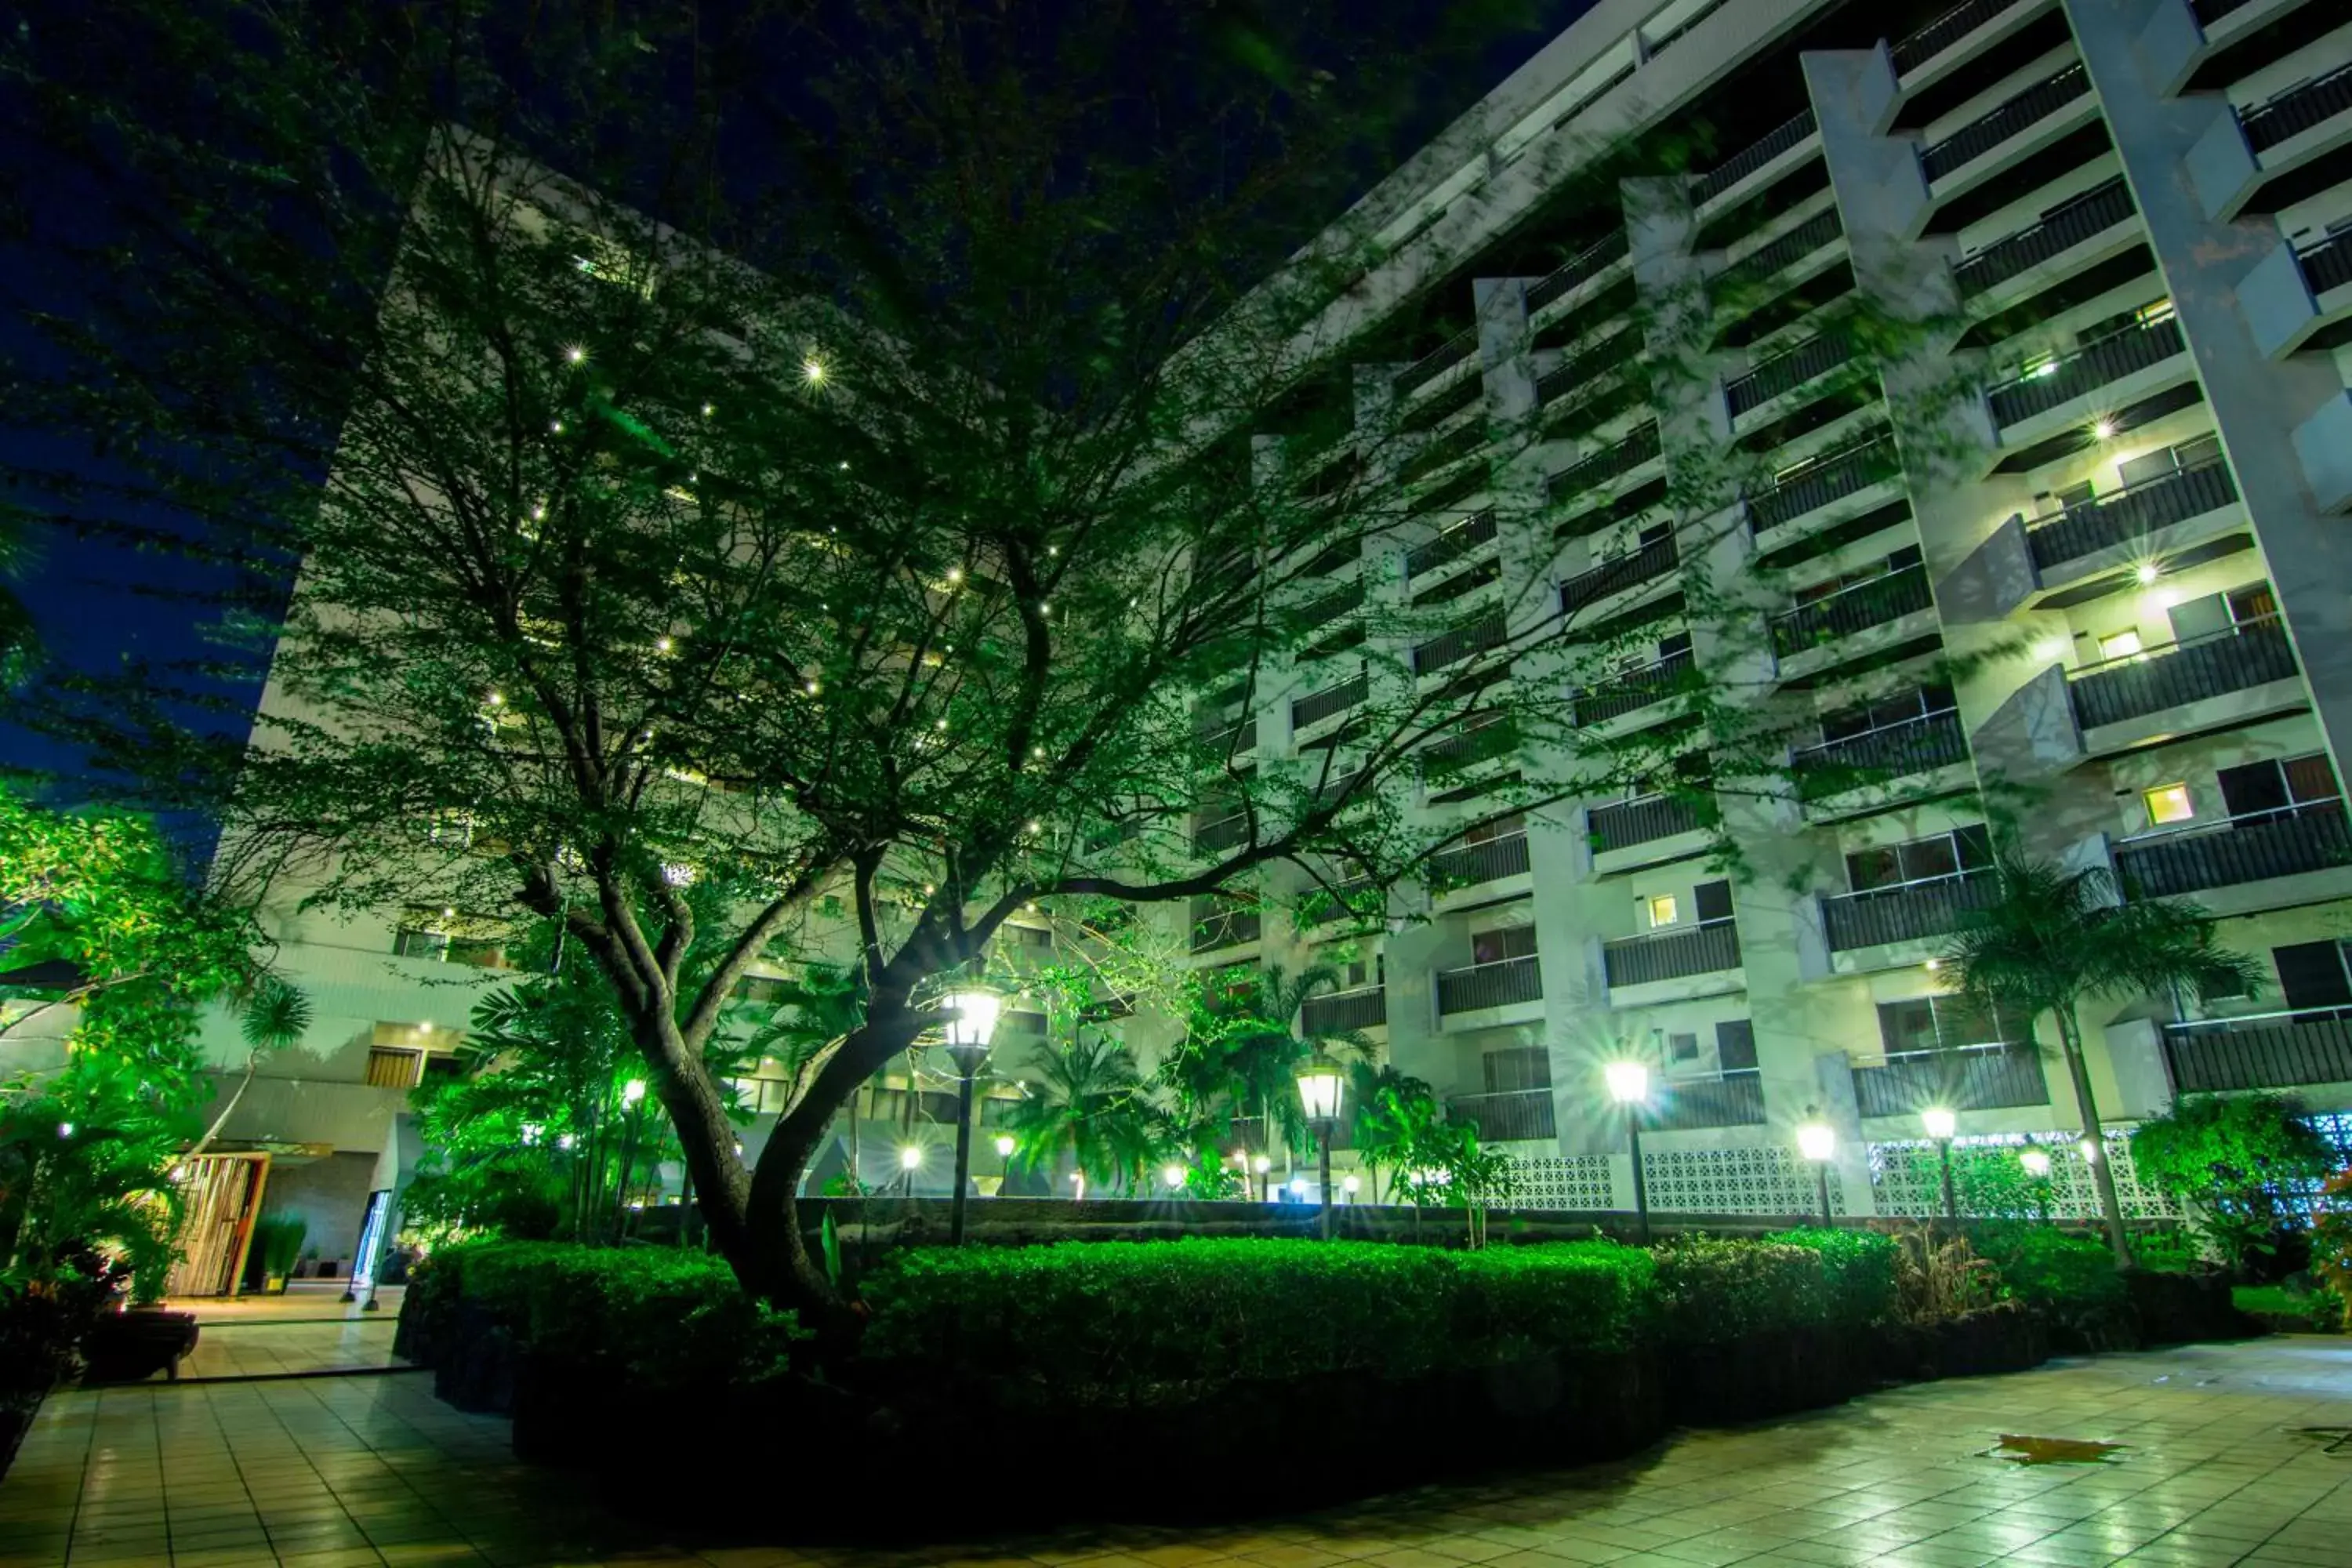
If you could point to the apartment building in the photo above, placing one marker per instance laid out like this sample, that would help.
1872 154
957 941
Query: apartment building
2103 591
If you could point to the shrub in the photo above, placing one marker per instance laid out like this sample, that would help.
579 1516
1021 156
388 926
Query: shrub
2238 1161
1711 1291
1937 1278
2072 1279
1857 1268
1155 1322
655 1317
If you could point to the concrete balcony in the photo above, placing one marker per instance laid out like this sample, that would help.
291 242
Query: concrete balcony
2306 841
2080 231
2119 368
1801 251
1808 636
1329 702
2261 1050
1488 631
1624 577
1565 286
1659 965
1322 612
2298 300
1424 373
1475 865
1508 991
1630 832
2025 123
1780 149
1591 477
1491 741
2200 677
1969 1078
1637 691
1914 917
1689 1104
1916 747
1789 371
1840 484
1514 1116
1953 36
1582 379
1344 1012
1455 543
2142 521
2247 149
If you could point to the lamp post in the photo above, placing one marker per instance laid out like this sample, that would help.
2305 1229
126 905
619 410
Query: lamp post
1818 1142
1628 1085
1320 1087
910 1159
632 1094
2037 1165
1261 1164
970 1030
1005 1144
1941 1124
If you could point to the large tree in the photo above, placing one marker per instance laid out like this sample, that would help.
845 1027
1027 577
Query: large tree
863 482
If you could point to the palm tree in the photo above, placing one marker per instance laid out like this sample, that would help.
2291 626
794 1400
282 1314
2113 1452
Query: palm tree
1244 1064
2052 939
273 1016
1089 1101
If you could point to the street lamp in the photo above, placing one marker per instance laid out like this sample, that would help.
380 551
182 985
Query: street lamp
1628 1085
970 1028
1174 1175
1262 1164
1818 1142
632 1094
1005 1144
910 1159
1319 1087
1941 1124
2037 1165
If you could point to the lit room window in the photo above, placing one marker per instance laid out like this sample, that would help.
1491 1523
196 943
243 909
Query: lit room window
2168 803
1662 909
2120 644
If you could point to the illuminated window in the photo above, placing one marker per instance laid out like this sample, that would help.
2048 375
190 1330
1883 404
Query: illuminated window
2155 314
2168 803
1662 909
2119 645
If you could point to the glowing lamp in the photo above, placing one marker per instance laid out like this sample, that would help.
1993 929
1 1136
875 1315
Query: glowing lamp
1939 1122
1629 1082
1816 1141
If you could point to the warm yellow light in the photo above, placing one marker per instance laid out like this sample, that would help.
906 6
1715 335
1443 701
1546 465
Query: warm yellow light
814 370
498 698
2147 571
1939 1122
1004 1145
2168 803
974 1022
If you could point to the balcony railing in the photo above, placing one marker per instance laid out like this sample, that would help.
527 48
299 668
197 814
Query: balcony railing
1496 985
2329 264
2130 515
1850 610
2087 368
1515 1116
1625 822
1590 474
1479 744
2035 104
1451 545
1672 955
1441 450
2250 849
1239 736
1453 647
1909 911
1436 361
1586 263
1222 834
1332 699
1490 860
1786 371
1331 606
1633 691
2267 1050
1595 365
2095 210
1835 478
1945 31
1343 1011
1652 560
1225 928
1751 158
2297 110
2143 683
1972 1077
1917 745
1766 260
1733 1100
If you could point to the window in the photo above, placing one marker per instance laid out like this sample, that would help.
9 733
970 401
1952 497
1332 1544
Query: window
1735 1044
1662 911
1520 1068
1682 1049
1917 703
2259 789
2312 975
1713 902
2253 603
1509 825
1941 1024
1918 860
2120 644
2168 803
2073 496
408 942
2192 453
392 1069
2154 315
1502 944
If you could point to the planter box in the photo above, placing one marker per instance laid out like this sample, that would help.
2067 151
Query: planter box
2006 1338
129 1347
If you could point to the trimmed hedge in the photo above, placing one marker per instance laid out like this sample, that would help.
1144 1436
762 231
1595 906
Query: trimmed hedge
1857 1271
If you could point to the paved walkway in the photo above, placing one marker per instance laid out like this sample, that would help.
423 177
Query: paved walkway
2238 1454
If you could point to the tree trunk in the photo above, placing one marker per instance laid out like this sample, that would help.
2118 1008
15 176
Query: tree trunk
2111 1209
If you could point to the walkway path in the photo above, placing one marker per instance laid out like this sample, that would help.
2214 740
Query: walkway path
2238 1454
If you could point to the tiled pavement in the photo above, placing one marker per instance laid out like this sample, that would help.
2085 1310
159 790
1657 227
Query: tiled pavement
2220 1464
266 1349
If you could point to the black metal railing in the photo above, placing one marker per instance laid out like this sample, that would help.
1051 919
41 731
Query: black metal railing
1972 1077
1451 545
1224 928
1451 648
1222 834
1590 262
2297 110
1595 366
1514 1116
2267 1050
1332 699
1835 477
1850 610
1652 560
1752 157
2308 838
1436 361
1733 1100
1496 985
1767 259
2095 210
2144 683
1893 751
1478 743
1945 31
2329 264
1786 371
1488 861
1442 450
1341 1011
1235 737
1590 473
1979 136
1633 691
2087 368
1708 949
1623 824
2131 515
1907 912
1331 606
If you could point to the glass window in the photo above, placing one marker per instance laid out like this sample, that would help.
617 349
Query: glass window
1662 911
1520 1068
2120 644
2252 602
2168 803
1508 825
2310 778
1506 942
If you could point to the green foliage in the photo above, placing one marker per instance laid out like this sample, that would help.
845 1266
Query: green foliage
2235 1160
1178 1320
1991 1183
516 1194
1938 1277
1710 1291
658 1317
2170 1252
1090 1104
1857 1269
2072 1277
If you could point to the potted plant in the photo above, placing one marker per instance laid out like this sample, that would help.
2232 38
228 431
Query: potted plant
276 1247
